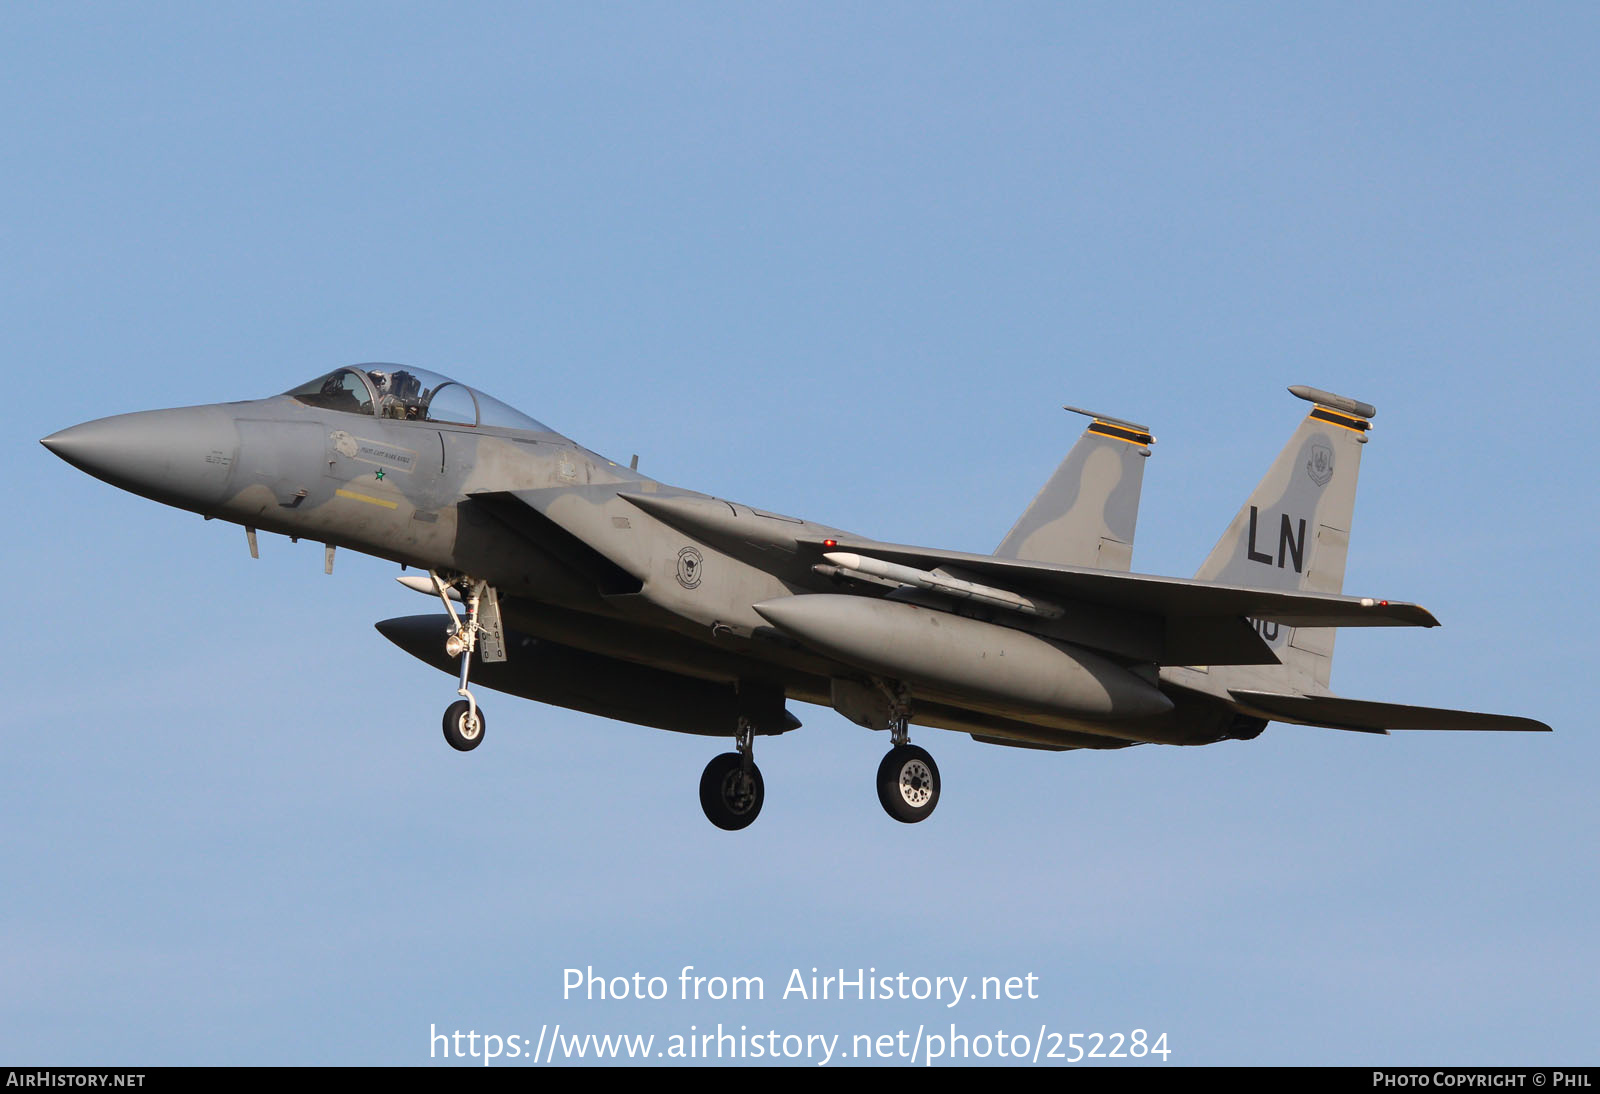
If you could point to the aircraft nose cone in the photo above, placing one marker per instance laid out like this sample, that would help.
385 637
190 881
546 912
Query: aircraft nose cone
80 445
182 457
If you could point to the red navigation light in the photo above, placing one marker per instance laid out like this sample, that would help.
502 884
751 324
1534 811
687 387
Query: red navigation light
830 543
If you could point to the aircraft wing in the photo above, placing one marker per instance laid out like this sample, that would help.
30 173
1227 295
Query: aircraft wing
1168 597
1170 621
1333 712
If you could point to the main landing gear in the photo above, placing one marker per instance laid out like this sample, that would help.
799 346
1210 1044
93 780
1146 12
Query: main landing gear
464 722
731 789
908 779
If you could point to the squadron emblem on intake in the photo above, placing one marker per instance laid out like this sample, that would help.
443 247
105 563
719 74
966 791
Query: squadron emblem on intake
689 562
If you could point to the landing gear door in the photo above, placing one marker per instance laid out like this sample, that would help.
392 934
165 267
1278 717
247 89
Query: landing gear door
491 634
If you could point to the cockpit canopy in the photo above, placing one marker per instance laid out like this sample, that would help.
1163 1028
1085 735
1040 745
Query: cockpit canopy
410 394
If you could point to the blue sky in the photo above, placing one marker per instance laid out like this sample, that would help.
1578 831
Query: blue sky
845 263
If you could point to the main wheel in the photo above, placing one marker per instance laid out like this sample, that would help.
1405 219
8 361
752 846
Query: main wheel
730 795
908 783
463 732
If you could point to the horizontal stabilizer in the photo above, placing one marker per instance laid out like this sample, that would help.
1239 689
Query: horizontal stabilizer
1332 712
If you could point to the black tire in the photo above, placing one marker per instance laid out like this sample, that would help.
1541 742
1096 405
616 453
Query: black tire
731 802
908 784
460 735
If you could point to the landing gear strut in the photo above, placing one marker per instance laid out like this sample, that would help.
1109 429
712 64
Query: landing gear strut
464 723
731 790
908 779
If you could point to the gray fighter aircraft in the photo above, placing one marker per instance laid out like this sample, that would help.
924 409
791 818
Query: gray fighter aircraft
569 579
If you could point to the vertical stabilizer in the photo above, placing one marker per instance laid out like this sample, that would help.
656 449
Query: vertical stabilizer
1087 512
1294 531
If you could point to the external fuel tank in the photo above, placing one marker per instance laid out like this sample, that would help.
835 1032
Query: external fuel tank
939 653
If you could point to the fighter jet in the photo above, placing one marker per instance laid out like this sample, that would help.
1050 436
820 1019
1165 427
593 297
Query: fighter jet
567 578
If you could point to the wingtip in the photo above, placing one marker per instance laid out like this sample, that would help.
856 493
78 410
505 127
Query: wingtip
1414 614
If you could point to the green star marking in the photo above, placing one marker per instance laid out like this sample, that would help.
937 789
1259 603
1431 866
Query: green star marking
380 476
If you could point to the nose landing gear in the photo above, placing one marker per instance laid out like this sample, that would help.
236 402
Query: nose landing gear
480 632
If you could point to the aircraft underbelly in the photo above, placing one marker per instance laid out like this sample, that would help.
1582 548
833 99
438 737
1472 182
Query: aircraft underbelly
807 678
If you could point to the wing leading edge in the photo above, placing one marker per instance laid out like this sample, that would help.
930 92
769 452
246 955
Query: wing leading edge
1169 597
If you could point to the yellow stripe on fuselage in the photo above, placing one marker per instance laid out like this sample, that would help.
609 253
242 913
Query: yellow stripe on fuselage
368 498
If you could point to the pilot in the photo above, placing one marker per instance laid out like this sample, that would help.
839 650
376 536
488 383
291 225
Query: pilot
388 405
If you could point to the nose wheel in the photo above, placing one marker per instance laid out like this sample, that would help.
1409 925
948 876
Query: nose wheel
463 725
731 789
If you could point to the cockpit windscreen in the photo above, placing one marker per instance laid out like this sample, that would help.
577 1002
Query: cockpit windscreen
410 394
